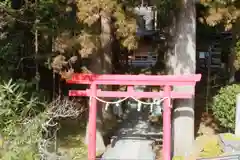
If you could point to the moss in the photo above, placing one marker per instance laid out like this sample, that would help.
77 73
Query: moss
232 137
209 147
178 158
212 148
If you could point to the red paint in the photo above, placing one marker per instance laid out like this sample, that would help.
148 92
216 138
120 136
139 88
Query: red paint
130 80
167 124
92 124
87 93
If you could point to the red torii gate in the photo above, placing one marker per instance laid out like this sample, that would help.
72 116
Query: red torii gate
132 80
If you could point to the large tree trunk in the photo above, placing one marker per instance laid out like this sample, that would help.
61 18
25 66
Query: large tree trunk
109 120
106 43
232 56
102 64
182 61
96 68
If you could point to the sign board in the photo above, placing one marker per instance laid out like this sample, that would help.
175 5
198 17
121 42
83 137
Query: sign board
215 61
143 61
203 55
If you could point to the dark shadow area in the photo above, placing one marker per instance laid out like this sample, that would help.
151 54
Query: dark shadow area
200 101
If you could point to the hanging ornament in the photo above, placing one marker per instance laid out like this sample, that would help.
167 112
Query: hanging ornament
120 112
90 100
157 111
139 107
106 106
115 109
151 108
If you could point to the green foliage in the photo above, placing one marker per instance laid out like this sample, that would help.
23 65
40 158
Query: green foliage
14 105
237 60
21 117
29 88
222 12
21 140
224 105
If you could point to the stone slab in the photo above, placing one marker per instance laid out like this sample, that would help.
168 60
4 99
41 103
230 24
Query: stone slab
229 145
230 157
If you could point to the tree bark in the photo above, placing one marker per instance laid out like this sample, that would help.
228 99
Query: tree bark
106 43
102 64
232 55
96 68
109 120
182 61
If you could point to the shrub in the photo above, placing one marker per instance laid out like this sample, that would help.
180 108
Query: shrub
224 106
21 119
28 125
16 105
237 51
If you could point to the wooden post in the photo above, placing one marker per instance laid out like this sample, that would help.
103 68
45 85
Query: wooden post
92 123
167 124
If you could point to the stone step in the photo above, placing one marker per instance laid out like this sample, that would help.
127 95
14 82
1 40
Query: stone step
229 142
230 157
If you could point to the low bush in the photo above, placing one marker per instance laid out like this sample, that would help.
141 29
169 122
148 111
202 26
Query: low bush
21 117
224 106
